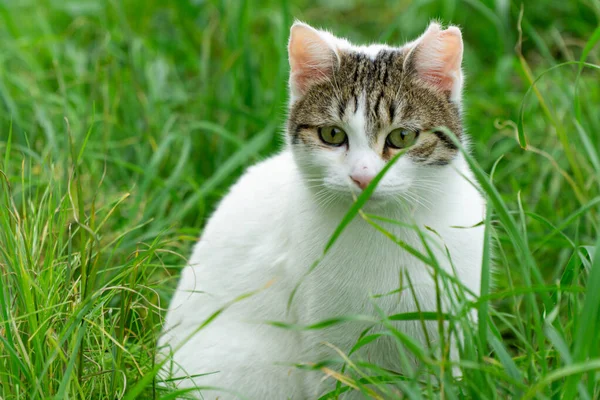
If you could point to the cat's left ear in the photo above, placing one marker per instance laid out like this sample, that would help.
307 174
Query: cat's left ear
313 57
436 58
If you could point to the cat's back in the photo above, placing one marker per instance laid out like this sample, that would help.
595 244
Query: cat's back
242 241
238 266
239 248
262 191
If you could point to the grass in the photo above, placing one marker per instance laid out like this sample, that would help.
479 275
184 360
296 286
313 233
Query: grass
123 123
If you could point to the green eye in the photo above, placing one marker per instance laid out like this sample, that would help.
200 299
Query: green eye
332 135
401 138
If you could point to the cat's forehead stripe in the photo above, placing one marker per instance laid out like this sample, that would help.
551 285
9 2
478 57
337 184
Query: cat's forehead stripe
369 77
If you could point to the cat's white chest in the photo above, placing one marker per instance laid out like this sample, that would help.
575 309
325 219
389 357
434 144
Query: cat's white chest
366 274
362 263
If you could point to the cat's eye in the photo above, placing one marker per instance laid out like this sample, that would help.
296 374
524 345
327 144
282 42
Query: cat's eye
332 135
401 138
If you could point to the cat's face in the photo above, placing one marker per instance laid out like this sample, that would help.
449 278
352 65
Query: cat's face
353 108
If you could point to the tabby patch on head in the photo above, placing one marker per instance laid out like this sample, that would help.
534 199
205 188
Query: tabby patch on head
353 108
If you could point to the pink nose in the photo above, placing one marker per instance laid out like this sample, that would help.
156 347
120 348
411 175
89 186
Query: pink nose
362 179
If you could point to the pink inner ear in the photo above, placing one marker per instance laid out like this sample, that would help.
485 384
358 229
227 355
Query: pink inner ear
311 58
439 56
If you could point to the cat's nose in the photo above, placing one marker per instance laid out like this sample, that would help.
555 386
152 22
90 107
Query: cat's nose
362 178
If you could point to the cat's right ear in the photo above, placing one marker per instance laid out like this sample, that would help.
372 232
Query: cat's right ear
312 56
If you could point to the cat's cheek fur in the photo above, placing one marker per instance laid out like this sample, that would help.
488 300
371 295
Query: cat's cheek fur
400 178
320 166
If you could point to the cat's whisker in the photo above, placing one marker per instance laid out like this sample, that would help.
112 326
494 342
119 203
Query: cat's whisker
313 187
313 180
323 194
422 198
430 189
328 202
418 200
427 184
327 199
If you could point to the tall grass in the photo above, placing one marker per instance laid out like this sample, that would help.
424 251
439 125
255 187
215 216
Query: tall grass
123 123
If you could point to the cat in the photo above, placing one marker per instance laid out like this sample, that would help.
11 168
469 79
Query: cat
352 109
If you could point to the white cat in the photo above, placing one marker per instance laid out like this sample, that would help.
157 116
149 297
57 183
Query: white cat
352 109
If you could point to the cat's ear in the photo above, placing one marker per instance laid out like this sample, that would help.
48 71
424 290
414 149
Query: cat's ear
436 58
313 57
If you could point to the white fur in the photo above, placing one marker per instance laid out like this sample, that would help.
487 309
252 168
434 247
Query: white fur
266 234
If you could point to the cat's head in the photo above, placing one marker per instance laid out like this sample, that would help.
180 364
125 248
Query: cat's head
352 108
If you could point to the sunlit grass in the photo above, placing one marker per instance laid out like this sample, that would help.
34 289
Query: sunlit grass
123 123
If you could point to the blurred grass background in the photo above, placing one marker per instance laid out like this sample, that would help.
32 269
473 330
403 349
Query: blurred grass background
122 123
